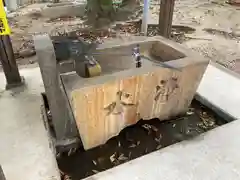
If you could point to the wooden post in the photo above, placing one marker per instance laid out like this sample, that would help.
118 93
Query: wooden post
165 17
9 64
2 176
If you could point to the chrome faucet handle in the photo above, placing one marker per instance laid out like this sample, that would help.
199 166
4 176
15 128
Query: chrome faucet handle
136 54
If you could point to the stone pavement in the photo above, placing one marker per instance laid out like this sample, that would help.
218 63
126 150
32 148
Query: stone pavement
24 146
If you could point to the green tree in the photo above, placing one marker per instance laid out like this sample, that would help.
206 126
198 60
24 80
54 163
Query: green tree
100 9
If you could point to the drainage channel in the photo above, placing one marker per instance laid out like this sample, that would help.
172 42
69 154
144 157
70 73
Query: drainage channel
138 140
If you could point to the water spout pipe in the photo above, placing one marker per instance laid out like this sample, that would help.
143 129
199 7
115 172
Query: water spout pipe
145 17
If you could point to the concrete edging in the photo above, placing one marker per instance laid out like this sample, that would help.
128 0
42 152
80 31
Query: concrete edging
218 91
220 112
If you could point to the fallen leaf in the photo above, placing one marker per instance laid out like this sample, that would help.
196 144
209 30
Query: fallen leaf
94 162
129 155
154 128
158 139
100 160
116 163
122 157
58 154
95 171
67 177
147 126
190 113
132 146
61 173
174 125
112 157
159 147
211 123
71 151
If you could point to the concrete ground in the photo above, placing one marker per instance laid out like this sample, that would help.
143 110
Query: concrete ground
24 146
25 152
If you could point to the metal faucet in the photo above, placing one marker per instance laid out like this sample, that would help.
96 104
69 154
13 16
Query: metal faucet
84 49
137 56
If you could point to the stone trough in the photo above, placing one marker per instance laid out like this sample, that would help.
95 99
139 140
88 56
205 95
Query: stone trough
100 107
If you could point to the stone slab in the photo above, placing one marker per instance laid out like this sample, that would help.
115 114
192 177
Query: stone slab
220 87
24 145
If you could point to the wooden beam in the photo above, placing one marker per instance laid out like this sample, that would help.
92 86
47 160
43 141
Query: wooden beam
165 17
9 64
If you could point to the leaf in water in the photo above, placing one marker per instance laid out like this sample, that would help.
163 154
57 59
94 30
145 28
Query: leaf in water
211 122
67 177
100 160
122 158
61 173
94 162
58 154
190 113
112 157
147 126
117 162
71 151
129 155
159 147
174 125
132 146
95 171
154 128
158 139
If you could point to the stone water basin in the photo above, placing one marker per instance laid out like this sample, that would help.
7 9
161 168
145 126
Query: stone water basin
123 94
116 58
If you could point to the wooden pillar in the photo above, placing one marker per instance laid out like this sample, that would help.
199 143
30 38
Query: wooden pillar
165 17
9 64
2 176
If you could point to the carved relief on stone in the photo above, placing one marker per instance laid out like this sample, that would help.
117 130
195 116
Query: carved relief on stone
165 89
119 113
119 105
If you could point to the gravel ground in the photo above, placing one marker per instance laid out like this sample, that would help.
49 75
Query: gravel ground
216 24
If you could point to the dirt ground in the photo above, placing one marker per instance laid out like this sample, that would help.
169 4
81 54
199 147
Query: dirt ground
216 24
